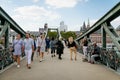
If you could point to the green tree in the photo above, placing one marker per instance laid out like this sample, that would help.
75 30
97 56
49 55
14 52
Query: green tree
52 34
66 35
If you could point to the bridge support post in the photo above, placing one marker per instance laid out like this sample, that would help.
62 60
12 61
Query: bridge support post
103 37
7 36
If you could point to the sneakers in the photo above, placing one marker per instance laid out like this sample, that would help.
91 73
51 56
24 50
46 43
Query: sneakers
59 58
53 55
29 67
18 66
42 60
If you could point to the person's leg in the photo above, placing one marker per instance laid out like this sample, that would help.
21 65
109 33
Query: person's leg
18 60
29 58
32 56
85 52
60 56
42 55
75 52
71 54
15 58
89 57
26 53
93 58
54 52
51 52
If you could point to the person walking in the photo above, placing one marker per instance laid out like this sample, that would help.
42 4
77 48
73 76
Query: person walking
29 48
85 46
72 47
47 44
60 48
38 45
53 47
34 47
42 47
18 47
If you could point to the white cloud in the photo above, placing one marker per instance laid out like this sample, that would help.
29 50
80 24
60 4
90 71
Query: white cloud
115 23
30 16
63 3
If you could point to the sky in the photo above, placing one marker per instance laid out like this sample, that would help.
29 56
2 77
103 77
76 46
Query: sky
33 14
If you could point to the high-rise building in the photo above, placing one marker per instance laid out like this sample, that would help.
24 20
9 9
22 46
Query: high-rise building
63 27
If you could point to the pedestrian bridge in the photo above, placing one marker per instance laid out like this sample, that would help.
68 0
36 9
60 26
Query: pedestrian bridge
55 69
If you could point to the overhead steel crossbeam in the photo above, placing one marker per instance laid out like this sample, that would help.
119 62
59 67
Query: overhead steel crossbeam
108 17
54 29
13 24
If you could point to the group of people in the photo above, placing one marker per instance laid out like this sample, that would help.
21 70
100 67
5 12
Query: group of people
41 45
20 46
92 55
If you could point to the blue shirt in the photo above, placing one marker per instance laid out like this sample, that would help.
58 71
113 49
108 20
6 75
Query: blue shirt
28 43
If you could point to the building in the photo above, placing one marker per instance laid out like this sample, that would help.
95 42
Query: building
63 27
96 36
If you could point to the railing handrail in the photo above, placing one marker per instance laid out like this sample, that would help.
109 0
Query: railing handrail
108 16
13 24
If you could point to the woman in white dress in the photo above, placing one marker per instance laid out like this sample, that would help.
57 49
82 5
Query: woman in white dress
42 47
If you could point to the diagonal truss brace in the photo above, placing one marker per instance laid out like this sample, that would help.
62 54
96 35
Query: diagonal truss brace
4 28
113 34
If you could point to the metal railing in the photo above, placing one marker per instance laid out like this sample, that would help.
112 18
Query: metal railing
108 57
6 58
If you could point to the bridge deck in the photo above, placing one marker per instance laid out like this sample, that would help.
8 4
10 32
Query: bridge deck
54 69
